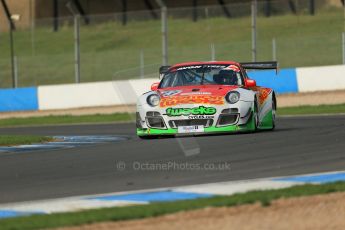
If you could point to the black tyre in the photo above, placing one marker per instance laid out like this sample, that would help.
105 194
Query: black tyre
147 137
274 112
256 115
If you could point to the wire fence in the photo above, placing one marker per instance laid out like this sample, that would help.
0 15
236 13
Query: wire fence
110 50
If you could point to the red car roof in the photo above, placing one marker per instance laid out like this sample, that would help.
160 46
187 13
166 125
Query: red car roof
205 63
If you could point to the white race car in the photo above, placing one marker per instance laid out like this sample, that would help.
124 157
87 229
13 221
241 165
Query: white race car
205 98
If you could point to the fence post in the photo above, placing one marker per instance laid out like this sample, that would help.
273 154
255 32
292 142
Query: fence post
12 27
343 47
206 12
213 52
311 7
164 21
15 72
254 35
142 64
124 12
165 34
76 19
274 49
268 8
77 47
195 10
12 57
56 15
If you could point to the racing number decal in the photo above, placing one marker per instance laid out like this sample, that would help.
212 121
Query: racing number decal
192 99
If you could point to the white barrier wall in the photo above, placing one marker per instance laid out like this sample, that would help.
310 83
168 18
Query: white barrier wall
142 86
126 92
92 94
321 78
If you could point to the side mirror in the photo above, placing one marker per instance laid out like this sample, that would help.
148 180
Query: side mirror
250 82
154 86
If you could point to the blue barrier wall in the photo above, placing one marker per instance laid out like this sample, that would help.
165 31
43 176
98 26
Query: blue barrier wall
19 99
284 82
287 81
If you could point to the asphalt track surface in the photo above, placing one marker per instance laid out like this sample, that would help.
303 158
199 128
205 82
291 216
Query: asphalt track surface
298 145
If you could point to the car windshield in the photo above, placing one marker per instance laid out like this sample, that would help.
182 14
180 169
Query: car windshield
202 75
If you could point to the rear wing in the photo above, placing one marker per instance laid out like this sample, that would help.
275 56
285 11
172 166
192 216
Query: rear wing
260 65
164 69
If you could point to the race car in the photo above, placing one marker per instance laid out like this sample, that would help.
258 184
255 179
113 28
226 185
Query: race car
206 98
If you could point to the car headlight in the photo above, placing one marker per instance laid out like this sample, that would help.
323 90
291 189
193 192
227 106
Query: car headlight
232 97
153 100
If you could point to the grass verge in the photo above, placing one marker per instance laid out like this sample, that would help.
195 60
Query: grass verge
157 209
11 140
120 117
66 119
305 110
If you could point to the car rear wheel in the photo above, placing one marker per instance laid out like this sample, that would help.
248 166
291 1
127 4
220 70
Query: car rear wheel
274 112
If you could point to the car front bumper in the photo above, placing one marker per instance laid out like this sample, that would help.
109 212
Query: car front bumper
213 129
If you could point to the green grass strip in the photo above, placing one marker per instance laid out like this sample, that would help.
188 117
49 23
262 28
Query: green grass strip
66 119
11 140
121 117
306 110
157 209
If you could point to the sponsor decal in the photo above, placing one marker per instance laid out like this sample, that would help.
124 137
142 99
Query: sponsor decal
189 67
215 66
263 94
192 99
201 110
201 66
200 117
170 93
196 93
